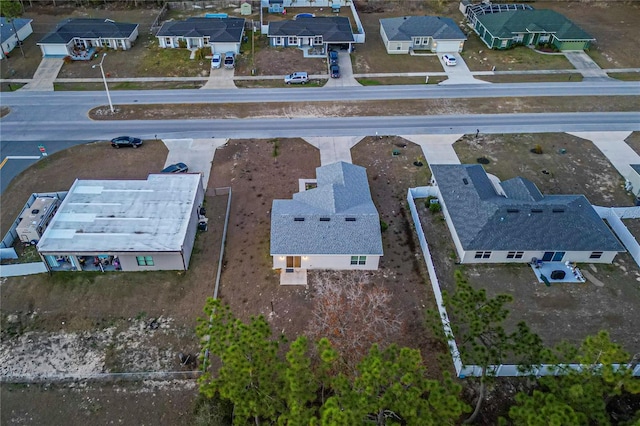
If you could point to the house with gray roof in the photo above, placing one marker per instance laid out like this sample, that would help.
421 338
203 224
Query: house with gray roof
220 34
128 225
13 31
513 222
322 31
73 36
503 29
430 33
332 226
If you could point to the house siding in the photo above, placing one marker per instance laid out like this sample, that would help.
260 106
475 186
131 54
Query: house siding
333 262
192 227
501 257
571 45
162 261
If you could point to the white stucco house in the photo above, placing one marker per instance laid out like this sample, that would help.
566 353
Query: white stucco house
332 226
322 31
513 222
74 37
128 225
430 33
9 38
220 34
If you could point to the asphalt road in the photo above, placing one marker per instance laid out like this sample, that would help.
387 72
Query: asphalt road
344 126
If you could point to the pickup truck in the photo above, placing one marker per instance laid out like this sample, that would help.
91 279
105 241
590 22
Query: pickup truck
229 61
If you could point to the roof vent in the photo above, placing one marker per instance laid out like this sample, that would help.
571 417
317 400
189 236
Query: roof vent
350 219
325 219
298 219
536 210
35 211
466 181
109 20
512 210
558 210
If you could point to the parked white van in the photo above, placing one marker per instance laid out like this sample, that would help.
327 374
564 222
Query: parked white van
299 77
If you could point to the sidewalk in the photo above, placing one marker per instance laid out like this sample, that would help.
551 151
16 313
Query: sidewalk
19 269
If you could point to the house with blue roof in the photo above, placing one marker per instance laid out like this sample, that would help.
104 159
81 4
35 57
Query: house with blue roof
77 37
513 222
12 32
429 33
220 34
332 226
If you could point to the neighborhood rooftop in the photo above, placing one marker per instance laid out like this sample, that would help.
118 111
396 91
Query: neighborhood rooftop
83 28
333 29
405 27
336 217
489 215
123 215
218 29
6 27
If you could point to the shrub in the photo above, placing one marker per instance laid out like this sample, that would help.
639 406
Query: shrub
383 225
537 149
435 207
182 44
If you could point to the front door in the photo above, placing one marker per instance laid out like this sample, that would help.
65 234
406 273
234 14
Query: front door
293 261
553 256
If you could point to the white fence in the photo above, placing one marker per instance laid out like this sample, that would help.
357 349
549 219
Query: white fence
502 370
614 216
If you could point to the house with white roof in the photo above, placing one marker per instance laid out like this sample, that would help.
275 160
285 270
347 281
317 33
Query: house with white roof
513 222
128 225
332 226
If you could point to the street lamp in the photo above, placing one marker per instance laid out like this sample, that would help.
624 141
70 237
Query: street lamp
106 87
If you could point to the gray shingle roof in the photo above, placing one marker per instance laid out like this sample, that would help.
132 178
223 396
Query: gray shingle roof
6 27
524 220
328 211
406 27
333 29
70 28
217 29
506 24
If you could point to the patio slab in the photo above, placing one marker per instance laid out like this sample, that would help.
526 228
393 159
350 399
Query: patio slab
572 273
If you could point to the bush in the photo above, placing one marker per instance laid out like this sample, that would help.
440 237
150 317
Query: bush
383 225
435 207
537 149
182 44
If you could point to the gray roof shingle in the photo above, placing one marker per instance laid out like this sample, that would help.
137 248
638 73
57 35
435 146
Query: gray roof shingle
83 28
333 29
406 27
339 216
6 27
219 30
523 220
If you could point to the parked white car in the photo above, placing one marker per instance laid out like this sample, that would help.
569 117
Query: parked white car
299 77
449 60
216 61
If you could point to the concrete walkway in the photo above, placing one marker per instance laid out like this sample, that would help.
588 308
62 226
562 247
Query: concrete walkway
437 149
333 149
197 154
613 146
585 65
19 269
221 78
45 75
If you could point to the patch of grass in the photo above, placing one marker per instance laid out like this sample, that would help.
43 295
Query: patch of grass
625 76
170 63
530 78
4 111
130 85
10 87
369 82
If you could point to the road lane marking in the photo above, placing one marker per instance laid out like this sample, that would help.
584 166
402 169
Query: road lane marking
18 157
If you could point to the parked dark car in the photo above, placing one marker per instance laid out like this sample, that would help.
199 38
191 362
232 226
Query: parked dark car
128 141
333 57
335 71
176 168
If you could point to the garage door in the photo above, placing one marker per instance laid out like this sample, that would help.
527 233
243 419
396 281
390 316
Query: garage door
448 46
54 50
226 47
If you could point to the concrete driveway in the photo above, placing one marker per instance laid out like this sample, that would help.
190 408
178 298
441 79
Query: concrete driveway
44 76
346 73
460 73
585 65
221 78
197 154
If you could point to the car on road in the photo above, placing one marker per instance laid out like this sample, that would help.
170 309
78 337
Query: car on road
176 168
299 77
229 60
335 71
216 61
449 60
333 57
127 141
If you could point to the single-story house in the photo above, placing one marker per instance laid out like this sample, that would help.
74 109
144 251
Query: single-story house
311 31
506 29
332 226
8 37
512 221
432 33
221 34
72 36
128 225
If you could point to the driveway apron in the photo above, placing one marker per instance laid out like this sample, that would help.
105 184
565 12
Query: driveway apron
197 154
44 76
333 149
437 149
460 73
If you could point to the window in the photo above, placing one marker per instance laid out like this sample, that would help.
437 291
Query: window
145 260
595 255
515 255
358 260
293 40
483 255
317 40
